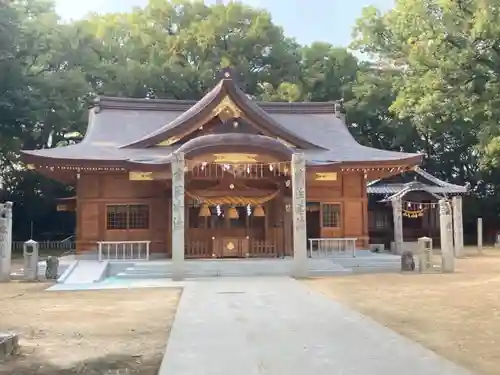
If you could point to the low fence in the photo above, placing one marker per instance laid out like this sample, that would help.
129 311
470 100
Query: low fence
198 249
331 247
63 246
123 250
246 248
262 249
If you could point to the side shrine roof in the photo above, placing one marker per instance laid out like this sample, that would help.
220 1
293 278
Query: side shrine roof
414 180
127 129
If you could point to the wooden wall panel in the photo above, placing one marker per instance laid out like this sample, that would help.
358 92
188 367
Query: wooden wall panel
353 185
90 221
353 219
350 192
88 186
96 191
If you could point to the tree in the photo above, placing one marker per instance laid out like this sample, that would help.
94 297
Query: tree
449 56
328 72
172 49
42 93
432 43
369 115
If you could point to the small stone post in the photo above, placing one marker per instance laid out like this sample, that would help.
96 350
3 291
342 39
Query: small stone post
5 240
30 254
397 214
446 230
480 234
458 227
177 166
425 262
299 216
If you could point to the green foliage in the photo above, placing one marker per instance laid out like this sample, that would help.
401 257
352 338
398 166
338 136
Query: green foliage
432 84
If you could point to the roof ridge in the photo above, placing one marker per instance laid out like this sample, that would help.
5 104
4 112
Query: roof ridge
110 102
434 179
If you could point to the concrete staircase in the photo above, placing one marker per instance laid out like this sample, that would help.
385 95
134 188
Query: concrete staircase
237 267
368 262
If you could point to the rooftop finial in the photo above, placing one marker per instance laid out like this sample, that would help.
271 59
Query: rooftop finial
226 73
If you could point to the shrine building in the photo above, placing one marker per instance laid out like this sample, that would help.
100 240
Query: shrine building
231 159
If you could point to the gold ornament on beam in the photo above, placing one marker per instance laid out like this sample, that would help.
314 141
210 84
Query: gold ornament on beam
414 214
259 211
205 211
233 213
227 109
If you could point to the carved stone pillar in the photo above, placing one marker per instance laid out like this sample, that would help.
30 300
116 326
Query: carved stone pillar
446 231
178 216
397 214
299 216
5 240
288 227
458 228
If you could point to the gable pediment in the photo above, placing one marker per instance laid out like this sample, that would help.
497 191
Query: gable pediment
226 117
225 102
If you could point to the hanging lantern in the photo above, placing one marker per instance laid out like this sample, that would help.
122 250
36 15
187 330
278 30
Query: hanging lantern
204 211
259 212
233 213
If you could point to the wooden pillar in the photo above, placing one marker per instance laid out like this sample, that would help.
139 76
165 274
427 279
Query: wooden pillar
299 216
397 214
178 223
446 230
458 228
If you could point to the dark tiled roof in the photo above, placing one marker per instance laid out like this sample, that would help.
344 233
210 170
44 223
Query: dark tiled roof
118 122
418 176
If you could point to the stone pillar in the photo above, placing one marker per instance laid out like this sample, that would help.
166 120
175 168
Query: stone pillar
480 234
288 227
5 240
458 227
397 214
177 165
446 232
299 216
425 264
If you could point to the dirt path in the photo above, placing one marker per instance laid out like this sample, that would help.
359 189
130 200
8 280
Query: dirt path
89 333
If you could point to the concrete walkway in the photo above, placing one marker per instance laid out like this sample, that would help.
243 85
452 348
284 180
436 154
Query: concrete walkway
278 326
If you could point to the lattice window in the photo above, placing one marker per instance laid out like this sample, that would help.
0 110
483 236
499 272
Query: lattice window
134 216
330 215
138 216
378 220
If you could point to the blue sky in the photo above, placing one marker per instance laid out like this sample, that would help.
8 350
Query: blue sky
306 20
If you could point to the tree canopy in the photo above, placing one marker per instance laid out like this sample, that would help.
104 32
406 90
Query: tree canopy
430 82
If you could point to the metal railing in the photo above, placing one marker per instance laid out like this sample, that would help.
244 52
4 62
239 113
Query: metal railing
331 247
123 250
64 246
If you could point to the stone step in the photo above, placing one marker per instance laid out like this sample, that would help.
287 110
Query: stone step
214 273
378 264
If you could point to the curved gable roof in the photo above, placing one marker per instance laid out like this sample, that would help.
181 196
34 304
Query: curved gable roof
204 109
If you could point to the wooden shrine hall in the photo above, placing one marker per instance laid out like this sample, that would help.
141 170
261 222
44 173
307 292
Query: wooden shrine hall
419 193
221 177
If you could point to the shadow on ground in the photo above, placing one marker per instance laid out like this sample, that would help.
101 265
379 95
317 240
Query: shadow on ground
22 364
